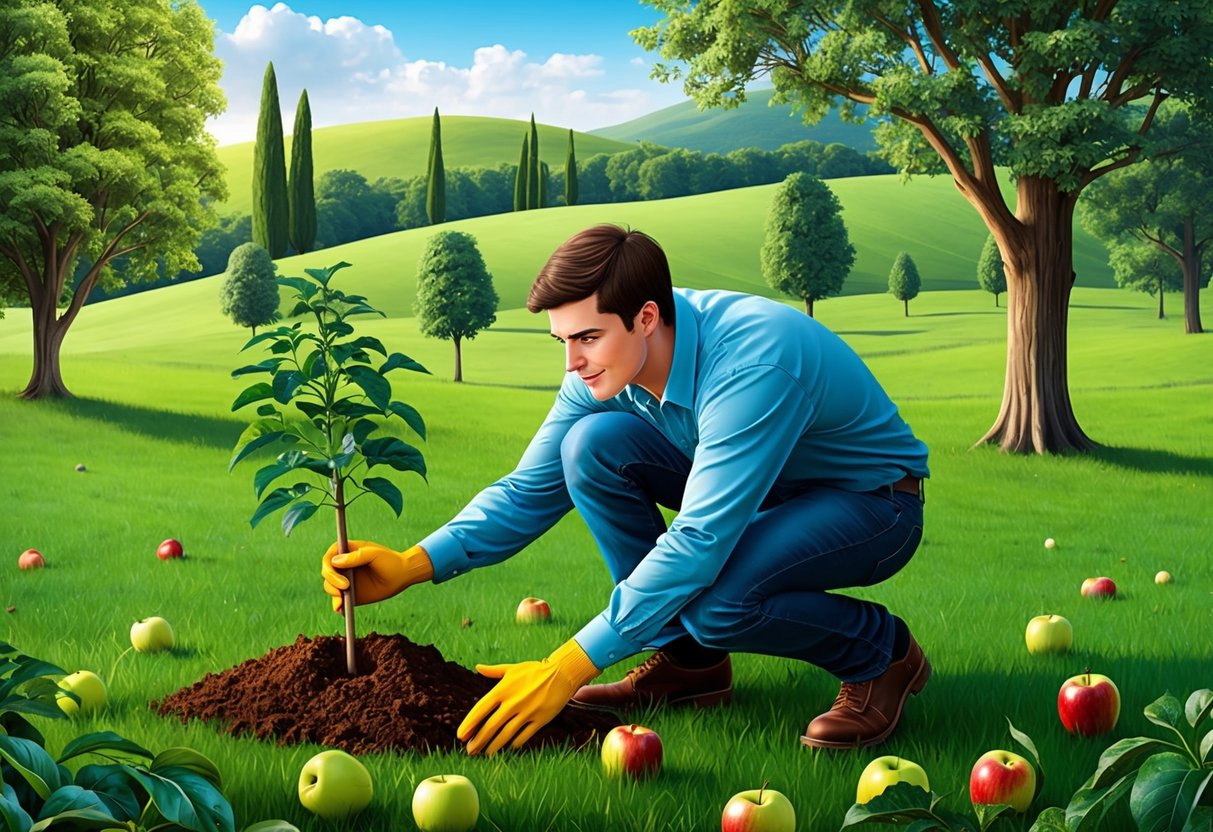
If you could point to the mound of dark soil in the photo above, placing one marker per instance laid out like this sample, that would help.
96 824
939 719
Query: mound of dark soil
407 698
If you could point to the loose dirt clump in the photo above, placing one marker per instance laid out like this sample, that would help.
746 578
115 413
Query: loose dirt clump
406 698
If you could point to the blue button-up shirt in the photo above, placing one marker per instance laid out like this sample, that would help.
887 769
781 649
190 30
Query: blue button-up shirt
760 396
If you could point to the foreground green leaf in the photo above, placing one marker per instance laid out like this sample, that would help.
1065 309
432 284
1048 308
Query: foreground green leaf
32 763
1165 791
100 742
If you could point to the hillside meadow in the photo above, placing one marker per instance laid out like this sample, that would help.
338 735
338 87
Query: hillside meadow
152 423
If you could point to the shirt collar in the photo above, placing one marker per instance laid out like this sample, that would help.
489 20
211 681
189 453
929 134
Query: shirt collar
680 386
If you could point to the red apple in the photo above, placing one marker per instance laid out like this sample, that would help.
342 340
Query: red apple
758 810
1098 588
1003 777
170 548
632 750
1088 704
31 559
533 611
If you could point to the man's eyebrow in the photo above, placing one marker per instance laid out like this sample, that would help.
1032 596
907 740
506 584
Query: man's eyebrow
577 335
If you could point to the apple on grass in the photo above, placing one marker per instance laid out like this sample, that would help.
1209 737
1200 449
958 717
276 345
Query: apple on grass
1088 704
1003 777
87 686
758 810
632 750
334 785
533 611
1163 577
170 549
1050 543
446 803
31 559
1100 587
151 635
1049 634
884 772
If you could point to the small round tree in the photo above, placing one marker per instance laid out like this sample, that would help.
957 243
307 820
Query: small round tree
990 273
249 295
455 294
806 253
904 281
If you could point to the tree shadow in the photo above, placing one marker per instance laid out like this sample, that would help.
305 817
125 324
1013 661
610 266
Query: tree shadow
1104 306
1154 461
158 424
1001 311
879 332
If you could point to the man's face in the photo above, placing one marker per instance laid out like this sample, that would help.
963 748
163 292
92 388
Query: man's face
598 347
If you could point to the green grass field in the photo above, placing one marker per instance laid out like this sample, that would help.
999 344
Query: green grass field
151 422
400 147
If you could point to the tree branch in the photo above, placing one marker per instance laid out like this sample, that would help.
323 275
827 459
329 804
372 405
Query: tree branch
90 279
934 29
911 39
1011 100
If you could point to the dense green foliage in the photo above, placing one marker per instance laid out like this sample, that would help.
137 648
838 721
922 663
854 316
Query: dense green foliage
806 252
570 173
520 175
904 281
249 295
435 198
271 210
455 294
991 275
301 186
104 156
533 171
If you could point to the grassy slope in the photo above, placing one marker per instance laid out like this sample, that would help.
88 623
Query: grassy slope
400 147
753 124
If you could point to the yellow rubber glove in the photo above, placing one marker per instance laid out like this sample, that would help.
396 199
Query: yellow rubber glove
527 698
379 572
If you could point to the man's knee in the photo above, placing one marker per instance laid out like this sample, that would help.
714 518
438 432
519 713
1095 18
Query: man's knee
592 442
710 622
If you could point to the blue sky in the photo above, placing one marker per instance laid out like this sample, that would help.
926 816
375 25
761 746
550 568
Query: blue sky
571 64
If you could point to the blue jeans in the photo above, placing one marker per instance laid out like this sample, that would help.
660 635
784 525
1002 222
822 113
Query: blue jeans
773 595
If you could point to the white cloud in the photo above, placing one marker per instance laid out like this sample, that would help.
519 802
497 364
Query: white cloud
638 62
356 72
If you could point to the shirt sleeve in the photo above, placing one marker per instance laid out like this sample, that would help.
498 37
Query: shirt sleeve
511 513
748 424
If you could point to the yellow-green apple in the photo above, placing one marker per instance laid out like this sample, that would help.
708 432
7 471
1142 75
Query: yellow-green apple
1100 587
334 785
1163 577
884 772
31 559
1050 543
446 803
533 611
1088 704
1003 777
150 635
87 686
169 549
1049 634
632 750
758 810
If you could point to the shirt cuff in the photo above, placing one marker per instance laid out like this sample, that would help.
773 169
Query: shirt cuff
447 555
603 645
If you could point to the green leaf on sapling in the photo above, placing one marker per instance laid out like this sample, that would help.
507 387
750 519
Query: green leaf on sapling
387 491
276 499
1165 792
255 393
296 514
410 415
399 359
376 387
1198 707
1166 712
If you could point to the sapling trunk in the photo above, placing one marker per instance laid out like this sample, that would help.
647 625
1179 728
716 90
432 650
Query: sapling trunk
347 597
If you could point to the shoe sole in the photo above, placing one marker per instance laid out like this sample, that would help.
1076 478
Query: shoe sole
710 699
914 688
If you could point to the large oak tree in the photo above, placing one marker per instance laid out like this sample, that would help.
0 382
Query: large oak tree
104 159
1040 86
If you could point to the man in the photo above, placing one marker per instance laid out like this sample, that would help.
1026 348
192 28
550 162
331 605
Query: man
791 471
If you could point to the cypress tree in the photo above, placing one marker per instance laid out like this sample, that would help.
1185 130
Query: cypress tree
301 191
544 174
532 169
520 178
435 197
271 216
570 173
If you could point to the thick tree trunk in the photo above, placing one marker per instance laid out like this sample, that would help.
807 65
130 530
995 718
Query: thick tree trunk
1037 415
458 361
1191 265
46 379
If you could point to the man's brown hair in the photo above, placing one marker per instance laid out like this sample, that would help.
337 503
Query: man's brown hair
626 268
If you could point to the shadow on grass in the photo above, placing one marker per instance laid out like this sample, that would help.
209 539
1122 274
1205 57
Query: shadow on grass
157 424
878 332
1001 311
1154 461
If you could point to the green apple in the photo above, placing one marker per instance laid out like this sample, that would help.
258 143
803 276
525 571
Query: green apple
151 635
334 785
1049 634
86 685
884 772
446 803
1163 577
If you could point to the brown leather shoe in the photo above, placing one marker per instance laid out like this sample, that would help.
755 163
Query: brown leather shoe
865 713
658 681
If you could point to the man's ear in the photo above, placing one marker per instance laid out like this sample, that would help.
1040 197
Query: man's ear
650 317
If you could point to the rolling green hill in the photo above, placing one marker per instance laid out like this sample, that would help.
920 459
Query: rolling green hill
753 124
400 148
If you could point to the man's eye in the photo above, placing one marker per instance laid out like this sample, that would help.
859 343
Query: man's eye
589 339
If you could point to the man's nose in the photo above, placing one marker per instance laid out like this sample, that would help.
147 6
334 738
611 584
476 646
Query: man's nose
572 357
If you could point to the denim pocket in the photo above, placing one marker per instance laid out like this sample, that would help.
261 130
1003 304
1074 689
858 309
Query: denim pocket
890 565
